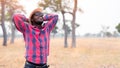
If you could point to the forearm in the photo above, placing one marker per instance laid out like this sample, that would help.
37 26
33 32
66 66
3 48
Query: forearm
19 20
52 20
20 17
48 17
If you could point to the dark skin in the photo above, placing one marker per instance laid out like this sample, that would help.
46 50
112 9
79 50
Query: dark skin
37 19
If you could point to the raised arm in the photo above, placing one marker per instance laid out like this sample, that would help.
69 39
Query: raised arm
19 21
52 20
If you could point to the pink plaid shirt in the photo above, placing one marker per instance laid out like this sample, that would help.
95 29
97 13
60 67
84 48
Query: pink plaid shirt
36 39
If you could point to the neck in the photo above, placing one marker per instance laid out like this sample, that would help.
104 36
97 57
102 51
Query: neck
38 26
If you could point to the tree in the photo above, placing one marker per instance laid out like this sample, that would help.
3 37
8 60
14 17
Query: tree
115 34
11 7
104 31
73 24
65 30
63 6
54 31
118 27
108 34
2 22
57 5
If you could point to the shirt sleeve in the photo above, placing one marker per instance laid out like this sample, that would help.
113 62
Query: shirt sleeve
19 21
52 20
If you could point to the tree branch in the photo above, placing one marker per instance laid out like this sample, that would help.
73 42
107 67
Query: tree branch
69 12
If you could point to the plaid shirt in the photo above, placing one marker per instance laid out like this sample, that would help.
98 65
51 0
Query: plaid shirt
36 39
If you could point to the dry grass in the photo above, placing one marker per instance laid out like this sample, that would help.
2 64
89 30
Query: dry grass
89 53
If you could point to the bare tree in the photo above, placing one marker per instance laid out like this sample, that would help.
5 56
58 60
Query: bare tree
64 7
104 31
12 6
2 22
57 5
73 24
54 31
65 30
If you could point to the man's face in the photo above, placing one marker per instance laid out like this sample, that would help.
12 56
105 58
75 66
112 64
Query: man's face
38 18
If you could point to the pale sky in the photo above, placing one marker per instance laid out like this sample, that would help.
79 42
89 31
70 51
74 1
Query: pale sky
97 13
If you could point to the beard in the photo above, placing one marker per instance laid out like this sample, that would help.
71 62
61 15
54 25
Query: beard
37 22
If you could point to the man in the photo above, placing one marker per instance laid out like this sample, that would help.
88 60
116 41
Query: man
36 35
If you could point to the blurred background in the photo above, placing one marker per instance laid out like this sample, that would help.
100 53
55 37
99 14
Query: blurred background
87 34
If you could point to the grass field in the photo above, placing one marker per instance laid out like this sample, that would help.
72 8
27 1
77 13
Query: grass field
89 53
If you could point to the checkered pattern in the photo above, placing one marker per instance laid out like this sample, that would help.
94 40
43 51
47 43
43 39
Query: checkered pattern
36 39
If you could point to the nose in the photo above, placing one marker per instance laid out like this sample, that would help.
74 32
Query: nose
41 18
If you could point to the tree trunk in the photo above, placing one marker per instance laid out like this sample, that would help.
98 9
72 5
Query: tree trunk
65 31
73 24
13 33
2 21
12 27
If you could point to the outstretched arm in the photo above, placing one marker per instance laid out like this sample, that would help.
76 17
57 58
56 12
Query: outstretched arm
52 20
19 21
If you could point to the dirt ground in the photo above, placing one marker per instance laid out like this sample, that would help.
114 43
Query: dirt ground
89 53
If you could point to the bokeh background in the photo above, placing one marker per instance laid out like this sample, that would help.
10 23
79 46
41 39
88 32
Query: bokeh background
87 34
